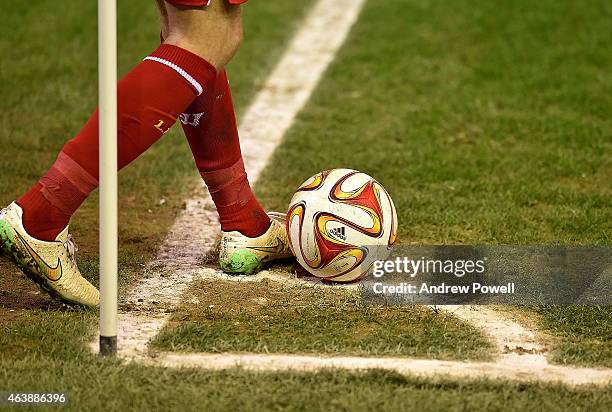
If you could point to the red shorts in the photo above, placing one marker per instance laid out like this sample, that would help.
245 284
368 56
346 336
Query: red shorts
200 2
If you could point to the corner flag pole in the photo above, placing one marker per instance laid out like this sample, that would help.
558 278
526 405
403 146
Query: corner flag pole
107 63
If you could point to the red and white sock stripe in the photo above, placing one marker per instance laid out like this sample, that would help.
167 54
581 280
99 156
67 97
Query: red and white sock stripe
191 67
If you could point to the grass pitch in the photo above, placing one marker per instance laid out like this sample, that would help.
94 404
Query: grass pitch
269 317
487 122
580 335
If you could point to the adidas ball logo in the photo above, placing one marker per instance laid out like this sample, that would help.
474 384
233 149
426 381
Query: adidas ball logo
339 232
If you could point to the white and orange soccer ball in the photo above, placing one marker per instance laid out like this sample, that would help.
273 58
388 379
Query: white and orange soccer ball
339 222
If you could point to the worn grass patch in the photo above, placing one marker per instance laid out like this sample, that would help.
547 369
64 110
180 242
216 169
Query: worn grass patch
220 316
49 89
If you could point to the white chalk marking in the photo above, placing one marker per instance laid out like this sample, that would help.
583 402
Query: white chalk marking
266 121
512 367
193 234
508 335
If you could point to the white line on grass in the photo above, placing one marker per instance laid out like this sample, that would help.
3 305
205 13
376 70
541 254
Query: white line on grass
268 118
148 307
519 357
508 335
512 367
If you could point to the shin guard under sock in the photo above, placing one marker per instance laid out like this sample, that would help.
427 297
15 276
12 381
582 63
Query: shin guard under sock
210 126
150 99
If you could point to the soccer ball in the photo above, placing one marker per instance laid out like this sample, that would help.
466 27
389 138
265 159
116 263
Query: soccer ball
339 222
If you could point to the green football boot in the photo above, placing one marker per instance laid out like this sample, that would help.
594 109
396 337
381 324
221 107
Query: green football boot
51 265
242 255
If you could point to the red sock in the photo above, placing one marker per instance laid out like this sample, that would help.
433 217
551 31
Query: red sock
150 99
43 226
210 126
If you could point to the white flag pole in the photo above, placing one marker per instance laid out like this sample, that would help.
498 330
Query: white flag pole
107 63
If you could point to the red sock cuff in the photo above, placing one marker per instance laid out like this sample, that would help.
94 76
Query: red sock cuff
79 177
66 185
249 219
194 69
61 192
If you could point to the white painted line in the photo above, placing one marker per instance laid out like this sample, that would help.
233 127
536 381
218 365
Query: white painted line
292 82
512 367
508 335
179 259
176 266
283 95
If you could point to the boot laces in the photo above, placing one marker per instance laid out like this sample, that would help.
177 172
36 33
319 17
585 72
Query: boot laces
71 247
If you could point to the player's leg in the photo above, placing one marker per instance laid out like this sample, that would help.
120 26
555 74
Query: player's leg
250 237
33 230
211 29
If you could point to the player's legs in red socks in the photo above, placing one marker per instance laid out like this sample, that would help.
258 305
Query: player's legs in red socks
250 238
151 97
210 126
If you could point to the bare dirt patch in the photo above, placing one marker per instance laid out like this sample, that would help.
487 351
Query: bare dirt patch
17 292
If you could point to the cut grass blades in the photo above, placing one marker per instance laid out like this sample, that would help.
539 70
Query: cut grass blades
270 317
580 334
41 353
102 386
488 122
28 336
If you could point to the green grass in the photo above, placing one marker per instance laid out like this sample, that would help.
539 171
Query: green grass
115 387
581 335
488 122
267 317
41 353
